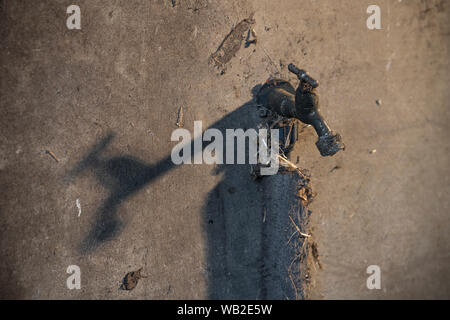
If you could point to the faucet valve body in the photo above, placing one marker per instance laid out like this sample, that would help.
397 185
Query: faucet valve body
280 97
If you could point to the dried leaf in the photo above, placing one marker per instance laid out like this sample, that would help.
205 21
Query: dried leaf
131 280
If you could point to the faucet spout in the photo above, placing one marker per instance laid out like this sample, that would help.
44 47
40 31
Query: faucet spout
307 110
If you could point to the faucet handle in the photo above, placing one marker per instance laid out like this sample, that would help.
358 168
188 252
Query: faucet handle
303 76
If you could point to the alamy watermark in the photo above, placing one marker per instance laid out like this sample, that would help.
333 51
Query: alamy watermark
374 280
373 22
74 280
73 22
262 147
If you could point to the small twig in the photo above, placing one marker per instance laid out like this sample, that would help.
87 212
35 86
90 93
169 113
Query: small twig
293 260
180 117
298 229
288 135
335 168
52 155
291 237
294 286
290 164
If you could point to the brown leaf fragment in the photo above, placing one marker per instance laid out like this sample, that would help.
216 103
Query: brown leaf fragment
302 193
131 280
180 119
315 254
306 194
232 43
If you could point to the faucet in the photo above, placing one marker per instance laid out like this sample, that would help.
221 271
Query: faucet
280 97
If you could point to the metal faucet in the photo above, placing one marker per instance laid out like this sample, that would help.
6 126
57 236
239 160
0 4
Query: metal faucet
280 97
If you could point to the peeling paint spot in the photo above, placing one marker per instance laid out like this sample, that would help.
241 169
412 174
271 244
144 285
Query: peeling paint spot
388 65
78 206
